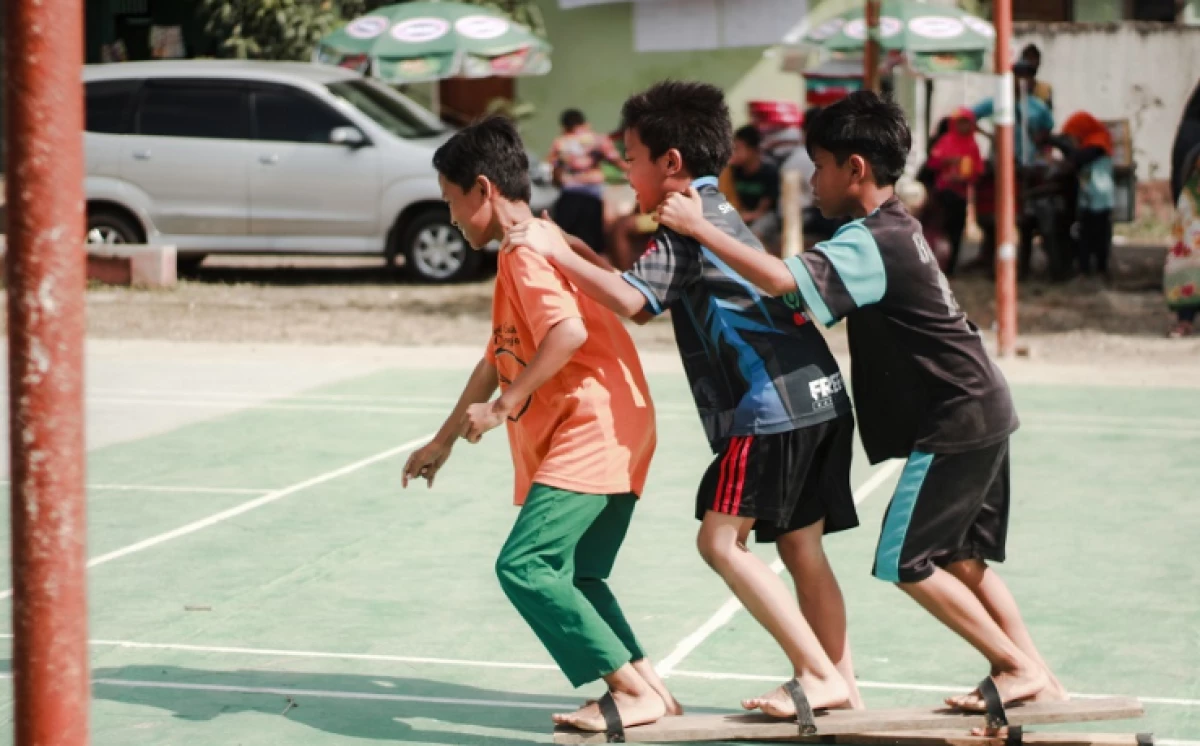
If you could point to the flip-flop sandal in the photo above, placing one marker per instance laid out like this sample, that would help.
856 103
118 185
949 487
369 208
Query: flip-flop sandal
996 716
805 717
614 730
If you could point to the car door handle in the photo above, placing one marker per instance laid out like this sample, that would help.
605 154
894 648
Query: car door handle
268 160
141 155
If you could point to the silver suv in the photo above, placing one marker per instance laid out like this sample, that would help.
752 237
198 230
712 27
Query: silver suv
231 157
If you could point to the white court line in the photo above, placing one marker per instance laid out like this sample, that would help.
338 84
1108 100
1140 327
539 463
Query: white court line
509 665
428 406
730 607
1091 429
131 645
280 405
167 488
371 696
246 507
327 694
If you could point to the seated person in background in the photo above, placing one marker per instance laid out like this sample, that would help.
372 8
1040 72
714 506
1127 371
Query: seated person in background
756 185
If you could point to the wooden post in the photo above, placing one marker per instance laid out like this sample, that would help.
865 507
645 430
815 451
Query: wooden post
791 214
45 278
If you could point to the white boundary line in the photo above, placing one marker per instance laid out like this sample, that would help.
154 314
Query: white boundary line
685 647
514 666
131 645
327 694
167 488
1056 423
246 507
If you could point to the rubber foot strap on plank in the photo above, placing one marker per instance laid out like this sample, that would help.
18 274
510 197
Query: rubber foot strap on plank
804 712
614 728
996 717
1145 739
1014 736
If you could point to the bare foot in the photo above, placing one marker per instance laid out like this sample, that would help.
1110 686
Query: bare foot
651 677
638 709
822 695
1054 692
1014 686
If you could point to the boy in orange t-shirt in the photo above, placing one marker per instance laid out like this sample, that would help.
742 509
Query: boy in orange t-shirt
581 428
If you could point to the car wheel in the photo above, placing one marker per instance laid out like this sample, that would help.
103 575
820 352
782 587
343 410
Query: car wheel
105 227
435 252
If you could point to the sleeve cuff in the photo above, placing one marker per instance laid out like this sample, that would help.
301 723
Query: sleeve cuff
651 301
808 290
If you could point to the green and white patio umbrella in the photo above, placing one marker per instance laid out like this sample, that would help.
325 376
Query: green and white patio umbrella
933 38
427 41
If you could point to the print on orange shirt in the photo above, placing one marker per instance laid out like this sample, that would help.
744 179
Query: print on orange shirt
590 428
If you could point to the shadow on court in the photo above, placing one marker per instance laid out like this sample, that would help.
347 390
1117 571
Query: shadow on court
351 713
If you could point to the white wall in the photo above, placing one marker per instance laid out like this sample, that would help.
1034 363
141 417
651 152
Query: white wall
1143 72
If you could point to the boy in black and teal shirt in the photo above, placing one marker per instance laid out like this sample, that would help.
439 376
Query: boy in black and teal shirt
924 387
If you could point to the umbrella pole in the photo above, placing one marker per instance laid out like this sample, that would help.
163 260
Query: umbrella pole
871 52
435 97
1006 186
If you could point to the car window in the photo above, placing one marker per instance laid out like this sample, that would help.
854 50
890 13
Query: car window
108 105
214 110
388 109
289 115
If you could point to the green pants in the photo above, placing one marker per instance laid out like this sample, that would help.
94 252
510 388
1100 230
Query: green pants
553 568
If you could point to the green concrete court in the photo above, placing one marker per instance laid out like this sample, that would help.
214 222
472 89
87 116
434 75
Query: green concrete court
259 577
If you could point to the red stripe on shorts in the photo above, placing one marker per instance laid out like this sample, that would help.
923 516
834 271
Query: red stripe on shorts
723 482
741 482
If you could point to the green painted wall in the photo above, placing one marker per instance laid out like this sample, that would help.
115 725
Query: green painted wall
596 68
1098 11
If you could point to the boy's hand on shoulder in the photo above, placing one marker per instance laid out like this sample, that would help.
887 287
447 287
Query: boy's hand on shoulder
682 212
425 462
482 418
539 235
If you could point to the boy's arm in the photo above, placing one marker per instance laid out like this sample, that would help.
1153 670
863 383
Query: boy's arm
607 287
684 213
579 246
426 461
555 350
833 279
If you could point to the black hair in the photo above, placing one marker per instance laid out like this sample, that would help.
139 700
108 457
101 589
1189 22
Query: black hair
572 118
810 114
749 135
1032 51
688 116
489 147
866 125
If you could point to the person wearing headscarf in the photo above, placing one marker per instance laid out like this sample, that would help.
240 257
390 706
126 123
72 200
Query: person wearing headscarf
957 164
1088 146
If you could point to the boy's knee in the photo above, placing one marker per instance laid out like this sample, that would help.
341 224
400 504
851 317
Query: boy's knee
512 571
968 571
715 549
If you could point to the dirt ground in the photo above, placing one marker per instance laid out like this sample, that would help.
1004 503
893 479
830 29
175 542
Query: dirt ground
359 302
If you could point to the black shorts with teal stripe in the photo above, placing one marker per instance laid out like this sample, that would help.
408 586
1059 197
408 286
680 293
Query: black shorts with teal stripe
948 507
784 481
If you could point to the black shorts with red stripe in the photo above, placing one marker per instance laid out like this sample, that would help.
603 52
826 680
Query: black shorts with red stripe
784 481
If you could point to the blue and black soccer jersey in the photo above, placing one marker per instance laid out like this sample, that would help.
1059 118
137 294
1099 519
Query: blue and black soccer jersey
756 365
921 376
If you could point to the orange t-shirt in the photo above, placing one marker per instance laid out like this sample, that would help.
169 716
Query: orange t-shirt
590 427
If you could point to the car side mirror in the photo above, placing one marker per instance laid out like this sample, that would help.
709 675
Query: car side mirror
351 137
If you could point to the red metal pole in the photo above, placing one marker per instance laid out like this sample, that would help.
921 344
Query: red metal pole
871 50
1006 183
46 273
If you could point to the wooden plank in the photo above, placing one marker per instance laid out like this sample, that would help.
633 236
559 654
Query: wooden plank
759 727
957 738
